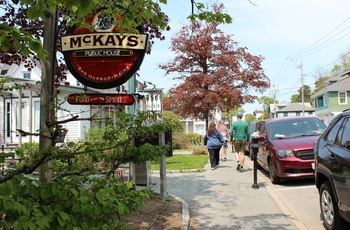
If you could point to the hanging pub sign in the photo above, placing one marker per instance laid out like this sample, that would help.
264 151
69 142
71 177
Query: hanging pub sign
103 58
101 99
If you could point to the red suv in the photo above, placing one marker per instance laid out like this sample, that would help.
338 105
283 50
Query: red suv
286 146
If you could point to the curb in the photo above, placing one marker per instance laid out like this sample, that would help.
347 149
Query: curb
185 213
279 203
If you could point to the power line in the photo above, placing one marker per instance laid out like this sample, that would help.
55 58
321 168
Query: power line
307 54
304 50
282 74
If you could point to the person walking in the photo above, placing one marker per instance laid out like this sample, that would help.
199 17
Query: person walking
226 134
213 140
240 134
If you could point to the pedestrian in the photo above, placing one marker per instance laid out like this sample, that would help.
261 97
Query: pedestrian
240 134
214 140
226 134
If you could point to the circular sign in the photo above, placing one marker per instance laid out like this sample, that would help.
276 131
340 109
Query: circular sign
103 58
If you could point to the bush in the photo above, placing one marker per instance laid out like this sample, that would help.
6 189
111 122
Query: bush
180 141
199 150
195 138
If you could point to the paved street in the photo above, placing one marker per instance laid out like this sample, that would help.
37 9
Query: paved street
224 199
300 198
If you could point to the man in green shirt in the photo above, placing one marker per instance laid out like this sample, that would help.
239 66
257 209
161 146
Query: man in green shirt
239 134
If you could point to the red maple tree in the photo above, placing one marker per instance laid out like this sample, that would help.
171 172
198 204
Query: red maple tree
214 73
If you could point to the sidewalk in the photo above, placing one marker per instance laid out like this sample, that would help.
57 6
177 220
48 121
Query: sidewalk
224 198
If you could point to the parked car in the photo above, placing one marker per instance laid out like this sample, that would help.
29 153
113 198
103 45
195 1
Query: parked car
248 151
332 172
286 146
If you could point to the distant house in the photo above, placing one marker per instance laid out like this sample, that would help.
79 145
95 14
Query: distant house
295 109
334 98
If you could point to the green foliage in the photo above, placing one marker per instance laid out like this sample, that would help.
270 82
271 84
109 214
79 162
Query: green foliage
195 138
180 141
173 120
183 162
84 192
4 80
249 117
79 203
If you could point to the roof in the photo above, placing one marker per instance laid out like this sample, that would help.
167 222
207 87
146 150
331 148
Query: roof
342 84
292 107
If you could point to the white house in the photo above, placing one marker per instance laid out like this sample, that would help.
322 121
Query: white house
20 108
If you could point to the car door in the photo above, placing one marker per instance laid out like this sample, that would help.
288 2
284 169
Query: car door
339 154
262 154
339 158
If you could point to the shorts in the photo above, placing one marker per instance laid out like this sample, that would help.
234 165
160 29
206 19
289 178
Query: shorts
240 146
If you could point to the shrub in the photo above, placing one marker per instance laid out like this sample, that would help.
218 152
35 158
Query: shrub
195 138
199 150
180 141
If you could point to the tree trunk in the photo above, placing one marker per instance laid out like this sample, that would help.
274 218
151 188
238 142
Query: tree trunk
47 109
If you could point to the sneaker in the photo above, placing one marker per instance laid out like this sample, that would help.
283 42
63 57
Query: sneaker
225 159
241 169
238 166
212 168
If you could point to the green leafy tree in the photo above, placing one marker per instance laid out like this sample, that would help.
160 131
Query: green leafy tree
295 98
174 121
249 117
266 102
337 69
214 73
343 64
298 97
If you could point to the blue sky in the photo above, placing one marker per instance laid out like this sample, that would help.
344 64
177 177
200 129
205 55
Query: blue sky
285 32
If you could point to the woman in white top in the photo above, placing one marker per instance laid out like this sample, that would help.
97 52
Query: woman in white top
226 134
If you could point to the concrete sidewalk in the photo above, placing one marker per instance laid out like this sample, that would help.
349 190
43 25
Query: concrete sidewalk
224 198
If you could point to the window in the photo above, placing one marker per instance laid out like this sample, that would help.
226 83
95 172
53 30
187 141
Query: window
8 119
297 114
345 141
285 114
320 101
310 113
24 114
332 135
342 99
36 116
26 75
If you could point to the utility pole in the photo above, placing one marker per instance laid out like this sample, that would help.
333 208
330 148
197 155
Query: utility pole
273 93
302 86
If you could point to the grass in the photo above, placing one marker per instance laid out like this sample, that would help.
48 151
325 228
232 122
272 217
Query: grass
183 162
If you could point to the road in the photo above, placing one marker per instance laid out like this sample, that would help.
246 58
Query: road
298 198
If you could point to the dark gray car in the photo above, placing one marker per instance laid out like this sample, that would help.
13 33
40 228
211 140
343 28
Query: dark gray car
332 172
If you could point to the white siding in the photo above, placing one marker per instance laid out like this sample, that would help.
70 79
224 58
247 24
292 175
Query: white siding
2 121
76 129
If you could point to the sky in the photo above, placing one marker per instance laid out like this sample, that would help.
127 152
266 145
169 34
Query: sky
295 37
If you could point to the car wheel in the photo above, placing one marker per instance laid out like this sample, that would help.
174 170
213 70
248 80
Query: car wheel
329 209
273 177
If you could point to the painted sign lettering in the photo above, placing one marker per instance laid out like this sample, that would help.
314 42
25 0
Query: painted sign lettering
101 99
